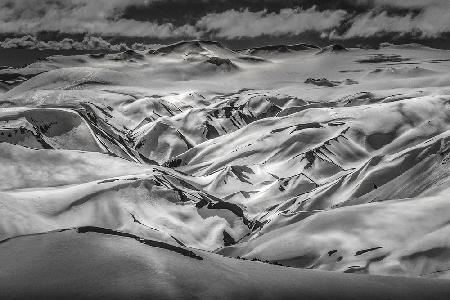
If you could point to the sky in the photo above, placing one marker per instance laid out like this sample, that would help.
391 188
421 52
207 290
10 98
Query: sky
118 24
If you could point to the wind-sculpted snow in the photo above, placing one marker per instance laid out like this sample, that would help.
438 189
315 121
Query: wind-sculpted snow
118 265
334 159
94 262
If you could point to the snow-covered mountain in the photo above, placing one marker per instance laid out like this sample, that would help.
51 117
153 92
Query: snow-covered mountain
134 171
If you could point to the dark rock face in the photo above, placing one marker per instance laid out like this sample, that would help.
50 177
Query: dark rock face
274 49
336 48
322 82
151 243
223 63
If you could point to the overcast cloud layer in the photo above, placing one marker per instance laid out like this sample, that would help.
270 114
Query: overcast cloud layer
347 19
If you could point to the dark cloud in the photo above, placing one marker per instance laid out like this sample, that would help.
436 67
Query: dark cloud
180 12
405 3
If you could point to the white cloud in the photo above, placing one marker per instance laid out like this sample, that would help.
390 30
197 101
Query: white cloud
100 17
233 24
104 18
88 43
430 23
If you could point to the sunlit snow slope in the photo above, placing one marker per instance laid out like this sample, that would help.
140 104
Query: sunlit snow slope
124 174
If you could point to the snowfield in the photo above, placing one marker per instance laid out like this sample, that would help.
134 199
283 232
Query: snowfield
194 171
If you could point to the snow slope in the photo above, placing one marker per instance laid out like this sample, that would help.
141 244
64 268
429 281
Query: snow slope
93 263
328 159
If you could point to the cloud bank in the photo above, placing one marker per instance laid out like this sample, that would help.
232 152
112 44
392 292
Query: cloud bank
88 43
100 17
432 21
106 18
236 24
